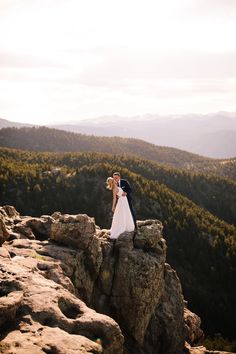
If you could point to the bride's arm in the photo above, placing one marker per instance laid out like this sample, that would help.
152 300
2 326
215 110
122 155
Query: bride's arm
114 199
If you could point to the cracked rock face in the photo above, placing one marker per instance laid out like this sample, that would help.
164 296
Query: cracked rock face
79 232
131 280
67 288
166 328
47 315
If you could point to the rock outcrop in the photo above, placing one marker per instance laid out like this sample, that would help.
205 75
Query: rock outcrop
5 216
67 288
201 350
131 281
39 311
193 332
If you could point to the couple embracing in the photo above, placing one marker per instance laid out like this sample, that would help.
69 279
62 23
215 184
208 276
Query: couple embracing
124 217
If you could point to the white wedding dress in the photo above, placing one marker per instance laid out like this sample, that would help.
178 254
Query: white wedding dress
122 218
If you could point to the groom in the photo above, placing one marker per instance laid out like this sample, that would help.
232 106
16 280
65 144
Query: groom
126 191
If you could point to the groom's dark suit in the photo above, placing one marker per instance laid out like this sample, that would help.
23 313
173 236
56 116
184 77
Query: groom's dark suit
127 189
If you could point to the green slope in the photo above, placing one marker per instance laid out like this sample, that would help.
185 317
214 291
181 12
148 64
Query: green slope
45 139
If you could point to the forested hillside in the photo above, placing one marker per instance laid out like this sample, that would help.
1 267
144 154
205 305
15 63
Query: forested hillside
201 246
45 139
216 194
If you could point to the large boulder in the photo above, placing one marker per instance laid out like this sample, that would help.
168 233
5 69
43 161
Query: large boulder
79 232
41 227
10 211
73 230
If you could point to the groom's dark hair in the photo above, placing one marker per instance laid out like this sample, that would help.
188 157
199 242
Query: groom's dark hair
116 174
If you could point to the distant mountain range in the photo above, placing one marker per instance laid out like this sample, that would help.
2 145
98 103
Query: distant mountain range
212 135
4 123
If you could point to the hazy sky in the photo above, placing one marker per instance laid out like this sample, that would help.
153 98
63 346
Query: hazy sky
74 59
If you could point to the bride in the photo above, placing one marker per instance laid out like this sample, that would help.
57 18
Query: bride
122 218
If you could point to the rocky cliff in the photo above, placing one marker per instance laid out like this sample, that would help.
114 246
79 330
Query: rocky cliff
66 288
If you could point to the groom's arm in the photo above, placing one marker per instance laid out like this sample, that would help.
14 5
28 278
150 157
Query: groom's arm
127 187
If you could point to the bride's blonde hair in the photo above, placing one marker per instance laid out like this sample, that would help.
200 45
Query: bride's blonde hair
110 183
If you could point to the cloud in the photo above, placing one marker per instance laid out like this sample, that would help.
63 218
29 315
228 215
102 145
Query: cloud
216 6
86 58
13 60
199 10
117 67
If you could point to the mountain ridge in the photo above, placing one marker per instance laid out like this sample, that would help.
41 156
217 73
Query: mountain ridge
185 132
212 135
4 123
49 139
